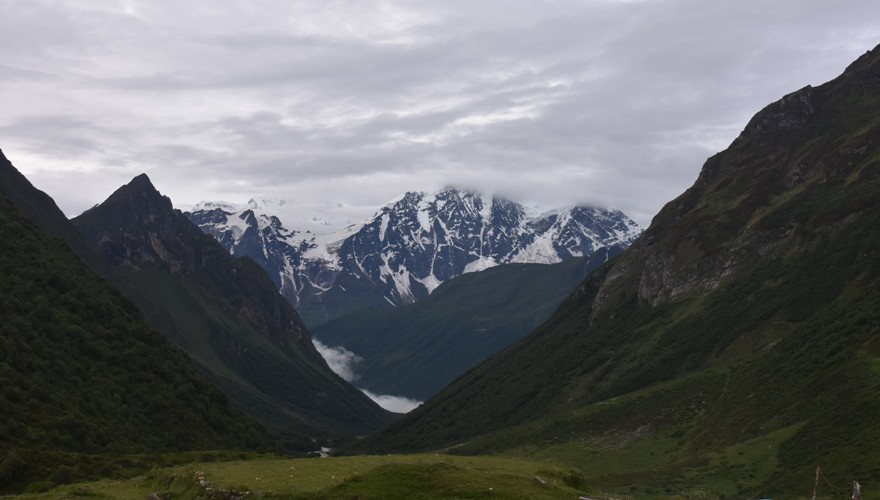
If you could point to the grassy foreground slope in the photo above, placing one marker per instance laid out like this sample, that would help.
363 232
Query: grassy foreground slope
733 347
369 477
83 374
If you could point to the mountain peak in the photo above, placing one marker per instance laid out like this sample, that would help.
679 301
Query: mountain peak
139 196
141 183
140 205
142 178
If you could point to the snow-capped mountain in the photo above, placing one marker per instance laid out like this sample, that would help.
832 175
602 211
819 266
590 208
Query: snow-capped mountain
407 249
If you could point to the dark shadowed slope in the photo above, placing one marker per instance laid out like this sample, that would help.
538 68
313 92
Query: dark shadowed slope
227 315
749 310
41 208
80 371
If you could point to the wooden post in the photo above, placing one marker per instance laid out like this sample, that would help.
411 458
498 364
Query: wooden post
857 491
816 486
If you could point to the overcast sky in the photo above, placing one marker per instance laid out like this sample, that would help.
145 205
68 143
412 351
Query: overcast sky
613 103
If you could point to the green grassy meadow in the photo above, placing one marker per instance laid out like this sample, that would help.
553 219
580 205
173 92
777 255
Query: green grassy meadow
600 470
649 465
391 476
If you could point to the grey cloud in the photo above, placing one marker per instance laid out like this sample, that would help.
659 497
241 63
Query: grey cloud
613 103
59 136
10 73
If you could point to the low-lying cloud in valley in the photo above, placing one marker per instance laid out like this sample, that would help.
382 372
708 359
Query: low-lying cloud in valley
344 363
340 360
397 404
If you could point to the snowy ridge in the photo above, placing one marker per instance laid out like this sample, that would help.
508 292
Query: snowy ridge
318 218
409 247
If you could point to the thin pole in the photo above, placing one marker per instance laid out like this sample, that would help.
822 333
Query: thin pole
816 486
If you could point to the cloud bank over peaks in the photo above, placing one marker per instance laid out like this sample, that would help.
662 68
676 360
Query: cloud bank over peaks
605 102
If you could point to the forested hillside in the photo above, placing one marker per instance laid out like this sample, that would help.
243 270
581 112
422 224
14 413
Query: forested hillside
83 374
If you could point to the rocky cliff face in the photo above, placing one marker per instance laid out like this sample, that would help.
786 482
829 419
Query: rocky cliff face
719 225
139 229
409 247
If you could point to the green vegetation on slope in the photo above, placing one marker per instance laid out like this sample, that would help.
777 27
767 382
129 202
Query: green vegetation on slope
41 208
415 351
82 374
747 315
286 392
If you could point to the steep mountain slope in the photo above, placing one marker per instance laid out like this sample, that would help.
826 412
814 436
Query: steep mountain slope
417 350
41 208
746 318
408 248
82 373
227 315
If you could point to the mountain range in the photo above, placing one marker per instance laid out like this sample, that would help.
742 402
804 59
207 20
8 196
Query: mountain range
731 349
407 249
227 315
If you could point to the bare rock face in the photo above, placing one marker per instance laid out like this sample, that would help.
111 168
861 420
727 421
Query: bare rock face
138 228
722 222
789 113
